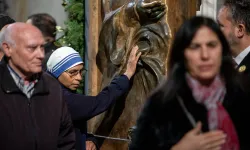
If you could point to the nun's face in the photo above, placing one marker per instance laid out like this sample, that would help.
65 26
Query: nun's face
72 77
204 55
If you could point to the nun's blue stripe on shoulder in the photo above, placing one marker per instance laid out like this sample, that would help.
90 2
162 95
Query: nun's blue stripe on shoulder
65 60
65 66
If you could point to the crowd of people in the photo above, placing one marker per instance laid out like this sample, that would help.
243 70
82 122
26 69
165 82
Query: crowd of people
23 77
202 104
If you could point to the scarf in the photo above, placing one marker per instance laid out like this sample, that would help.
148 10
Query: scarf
212 97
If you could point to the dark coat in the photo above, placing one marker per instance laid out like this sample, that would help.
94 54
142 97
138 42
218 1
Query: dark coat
39 123
162 125
3 60
245 62
84 107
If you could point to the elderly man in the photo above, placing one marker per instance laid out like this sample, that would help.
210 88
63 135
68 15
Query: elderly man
32 109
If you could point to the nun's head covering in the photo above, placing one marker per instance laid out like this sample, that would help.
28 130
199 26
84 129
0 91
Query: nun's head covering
63 59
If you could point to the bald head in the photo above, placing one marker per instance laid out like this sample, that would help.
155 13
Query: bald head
20 29
11 32
23 26
23 45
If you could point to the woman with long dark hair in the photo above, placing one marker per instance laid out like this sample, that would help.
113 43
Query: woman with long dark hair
201 104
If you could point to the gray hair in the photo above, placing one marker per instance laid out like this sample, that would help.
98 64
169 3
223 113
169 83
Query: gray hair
5 37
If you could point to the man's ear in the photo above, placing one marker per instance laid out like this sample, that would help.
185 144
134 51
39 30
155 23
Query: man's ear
6 49
240 30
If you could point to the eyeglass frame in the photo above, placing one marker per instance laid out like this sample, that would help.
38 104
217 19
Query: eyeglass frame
72 75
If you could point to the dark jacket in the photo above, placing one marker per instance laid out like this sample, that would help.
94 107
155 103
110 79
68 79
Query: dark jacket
83 107
39 123
244 66
3 60
162 125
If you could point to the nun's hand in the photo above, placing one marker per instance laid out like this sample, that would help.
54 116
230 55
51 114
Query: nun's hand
90 145
132 62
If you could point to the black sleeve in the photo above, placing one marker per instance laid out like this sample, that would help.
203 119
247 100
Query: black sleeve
66 140
86 107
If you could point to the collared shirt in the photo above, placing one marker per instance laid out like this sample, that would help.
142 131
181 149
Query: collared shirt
242 55
27 87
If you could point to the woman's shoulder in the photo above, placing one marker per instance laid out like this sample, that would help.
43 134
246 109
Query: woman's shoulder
157 105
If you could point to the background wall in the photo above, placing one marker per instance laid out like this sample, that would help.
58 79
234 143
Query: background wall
210 8
21 9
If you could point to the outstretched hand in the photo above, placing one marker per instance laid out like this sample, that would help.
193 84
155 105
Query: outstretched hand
150 12
132 62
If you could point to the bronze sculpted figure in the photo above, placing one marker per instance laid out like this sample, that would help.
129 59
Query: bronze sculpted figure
142 23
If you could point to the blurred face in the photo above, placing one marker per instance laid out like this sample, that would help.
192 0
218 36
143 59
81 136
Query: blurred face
72 77
46 38
204 55
27 54
228 28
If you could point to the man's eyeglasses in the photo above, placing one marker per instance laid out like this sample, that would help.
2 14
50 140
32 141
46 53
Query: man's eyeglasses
73 73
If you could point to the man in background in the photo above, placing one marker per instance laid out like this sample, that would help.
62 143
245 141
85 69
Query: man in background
233 18
47 25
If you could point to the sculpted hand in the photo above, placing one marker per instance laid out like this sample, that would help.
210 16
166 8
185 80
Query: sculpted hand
132 62
195 140
90 145
150 12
